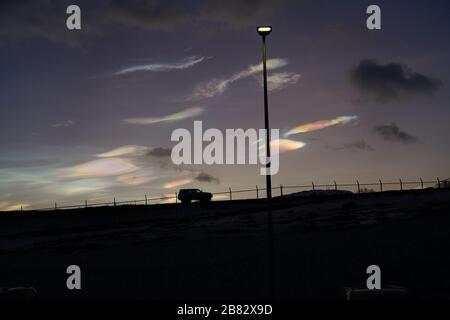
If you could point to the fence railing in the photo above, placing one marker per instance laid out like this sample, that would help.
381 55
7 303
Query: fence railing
257 192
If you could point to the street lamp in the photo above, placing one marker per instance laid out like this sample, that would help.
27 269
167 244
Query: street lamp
263 32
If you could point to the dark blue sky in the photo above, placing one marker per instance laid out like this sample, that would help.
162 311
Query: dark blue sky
66 95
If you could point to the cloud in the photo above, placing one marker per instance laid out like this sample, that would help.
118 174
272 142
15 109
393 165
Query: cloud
385 83
205 177
357 145
160 152
218 86
280 146
317 125
64 124
176 183
185 63
42 19
281 80
147 14
187 113
108 167
134 179
392 132
129 150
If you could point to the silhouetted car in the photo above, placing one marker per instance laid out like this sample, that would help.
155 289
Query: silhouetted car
187 195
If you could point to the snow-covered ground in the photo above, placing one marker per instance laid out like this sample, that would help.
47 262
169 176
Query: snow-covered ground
219 250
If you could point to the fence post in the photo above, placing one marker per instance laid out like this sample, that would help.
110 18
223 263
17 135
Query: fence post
359 190
21 208
335 185
231 198
381 186
257 192
421 183
313 185
176 197
401 185
281 190
114 201
439 183
85 203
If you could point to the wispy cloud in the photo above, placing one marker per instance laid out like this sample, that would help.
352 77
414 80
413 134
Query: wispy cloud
176 183
64 124
218 86
134 179
187 113
281 80
185 63
281 145
353 146
129 150
107 167
317 125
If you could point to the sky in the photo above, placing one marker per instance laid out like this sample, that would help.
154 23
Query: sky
88 114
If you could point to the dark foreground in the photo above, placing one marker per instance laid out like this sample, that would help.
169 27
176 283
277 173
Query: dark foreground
219 250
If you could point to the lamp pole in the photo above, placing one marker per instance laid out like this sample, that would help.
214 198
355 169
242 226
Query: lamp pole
264 31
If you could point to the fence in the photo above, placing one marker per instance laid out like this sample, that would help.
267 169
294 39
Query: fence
280 190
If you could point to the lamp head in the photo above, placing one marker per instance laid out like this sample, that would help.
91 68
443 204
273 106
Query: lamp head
264 30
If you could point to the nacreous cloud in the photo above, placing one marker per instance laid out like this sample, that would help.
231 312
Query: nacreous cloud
108 167
385 83
218 86
163 67
313 126
187 113
130 150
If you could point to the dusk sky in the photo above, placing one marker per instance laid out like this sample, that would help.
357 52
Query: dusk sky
88 114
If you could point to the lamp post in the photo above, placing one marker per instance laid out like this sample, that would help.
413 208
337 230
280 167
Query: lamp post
263 32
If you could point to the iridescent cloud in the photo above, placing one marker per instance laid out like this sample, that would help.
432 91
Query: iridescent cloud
108 167
313 126
282 145
134 179
176 183
187 113
130 150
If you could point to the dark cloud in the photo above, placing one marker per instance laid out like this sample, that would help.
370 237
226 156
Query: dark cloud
147 14
392 132
205 177
238 13
46 19
385 83
160 152
357 145
42 19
